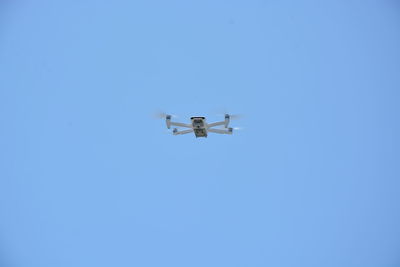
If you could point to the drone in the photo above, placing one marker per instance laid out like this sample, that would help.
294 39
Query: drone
199 126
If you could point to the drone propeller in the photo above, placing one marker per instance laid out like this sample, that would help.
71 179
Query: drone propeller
235 116
231 116
163 115
230 129
233 128
238 128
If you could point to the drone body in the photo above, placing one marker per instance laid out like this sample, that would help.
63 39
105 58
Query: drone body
199 126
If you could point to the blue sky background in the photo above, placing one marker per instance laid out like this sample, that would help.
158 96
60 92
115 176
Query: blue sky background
89 178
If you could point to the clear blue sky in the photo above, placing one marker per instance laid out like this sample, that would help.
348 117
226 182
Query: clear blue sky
89 178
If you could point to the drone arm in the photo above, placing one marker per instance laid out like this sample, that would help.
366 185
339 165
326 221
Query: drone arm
215 124
176 132
220 131
225 122
178 124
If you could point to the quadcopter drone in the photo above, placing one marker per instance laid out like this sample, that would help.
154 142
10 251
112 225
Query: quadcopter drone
199 126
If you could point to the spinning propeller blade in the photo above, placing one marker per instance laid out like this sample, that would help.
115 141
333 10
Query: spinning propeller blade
162 115
231 116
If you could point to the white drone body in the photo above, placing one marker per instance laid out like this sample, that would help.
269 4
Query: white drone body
199 126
